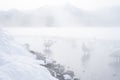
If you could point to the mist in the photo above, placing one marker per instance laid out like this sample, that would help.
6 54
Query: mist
67 48
84 41
61 16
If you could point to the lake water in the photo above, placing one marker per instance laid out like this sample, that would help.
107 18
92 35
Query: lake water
67 48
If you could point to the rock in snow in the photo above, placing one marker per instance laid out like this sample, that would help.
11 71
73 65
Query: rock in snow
16 63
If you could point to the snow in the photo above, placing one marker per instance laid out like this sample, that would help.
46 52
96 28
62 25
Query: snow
67 77
97 66
16 63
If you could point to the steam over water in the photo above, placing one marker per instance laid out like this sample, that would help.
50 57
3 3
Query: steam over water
70 46
81 35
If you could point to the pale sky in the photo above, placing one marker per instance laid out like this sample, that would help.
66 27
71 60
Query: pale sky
33 4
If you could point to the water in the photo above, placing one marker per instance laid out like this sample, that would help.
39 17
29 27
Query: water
67 48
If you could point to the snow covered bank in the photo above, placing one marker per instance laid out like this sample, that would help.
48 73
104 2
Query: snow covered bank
16 63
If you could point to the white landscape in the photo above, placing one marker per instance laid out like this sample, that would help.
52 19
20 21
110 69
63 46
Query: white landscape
70 46
16 63
59 40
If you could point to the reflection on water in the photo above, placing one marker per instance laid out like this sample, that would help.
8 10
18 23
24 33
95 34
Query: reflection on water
86 54
115 64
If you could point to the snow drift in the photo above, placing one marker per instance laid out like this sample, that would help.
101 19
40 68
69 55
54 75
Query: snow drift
16 63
